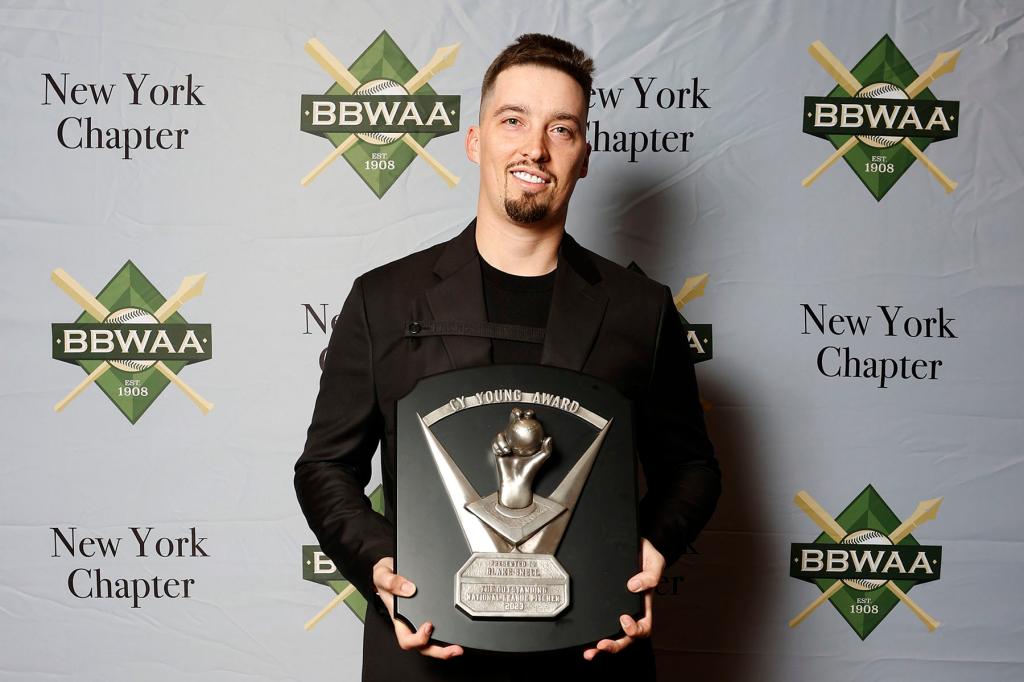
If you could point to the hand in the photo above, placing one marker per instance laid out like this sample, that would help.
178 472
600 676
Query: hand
652 564
388 584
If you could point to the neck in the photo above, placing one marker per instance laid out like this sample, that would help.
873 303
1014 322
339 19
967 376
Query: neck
525 250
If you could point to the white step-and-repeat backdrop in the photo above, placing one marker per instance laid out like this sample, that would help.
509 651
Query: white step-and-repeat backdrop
835 187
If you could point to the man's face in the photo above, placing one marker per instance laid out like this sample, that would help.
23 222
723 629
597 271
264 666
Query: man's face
530 144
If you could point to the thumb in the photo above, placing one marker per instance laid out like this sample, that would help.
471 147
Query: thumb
400 586
644 580
385 578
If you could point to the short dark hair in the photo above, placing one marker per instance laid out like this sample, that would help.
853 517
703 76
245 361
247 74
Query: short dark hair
545 50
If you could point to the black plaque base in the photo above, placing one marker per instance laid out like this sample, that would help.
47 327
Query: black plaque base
600 546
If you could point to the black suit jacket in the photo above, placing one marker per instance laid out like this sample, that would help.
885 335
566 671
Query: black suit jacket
604 320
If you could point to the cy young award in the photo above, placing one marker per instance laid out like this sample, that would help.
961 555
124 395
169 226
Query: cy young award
517 507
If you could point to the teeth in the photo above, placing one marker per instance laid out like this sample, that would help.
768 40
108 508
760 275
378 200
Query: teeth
528 177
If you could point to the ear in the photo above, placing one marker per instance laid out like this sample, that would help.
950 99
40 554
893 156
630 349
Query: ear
473 144
586 163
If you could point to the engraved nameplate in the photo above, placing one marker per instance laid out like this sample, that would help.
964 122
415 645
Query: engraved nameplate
512 585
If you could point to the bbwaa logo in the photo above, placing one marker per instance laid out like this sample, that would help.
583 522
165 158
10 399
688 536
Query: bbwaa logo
130 340
698 335
317 567
380 112
881 116
865 561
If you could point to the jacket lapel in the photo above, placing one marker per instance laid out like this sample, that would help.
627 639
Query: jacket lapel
459 296
577 308
577 304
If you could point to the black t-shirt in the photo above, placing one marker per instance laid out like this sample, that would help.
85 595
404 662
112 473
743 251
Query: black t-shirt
516 299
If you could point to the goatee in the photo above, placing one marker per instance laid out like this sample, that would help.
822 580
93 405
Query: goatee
525 209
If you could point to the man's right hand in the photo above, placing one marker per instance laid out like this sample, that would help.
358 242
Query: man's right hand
389 584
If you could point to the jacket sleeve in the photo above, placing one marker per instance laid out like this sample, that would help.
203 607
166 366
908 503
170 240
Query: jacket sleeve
682 474
334 469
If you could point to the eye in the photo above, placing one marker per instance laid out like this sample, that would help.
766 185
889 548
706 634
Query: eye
564 131
511 120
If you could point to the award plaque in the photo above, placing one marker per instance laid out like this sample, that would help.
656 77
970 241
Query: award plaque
516 508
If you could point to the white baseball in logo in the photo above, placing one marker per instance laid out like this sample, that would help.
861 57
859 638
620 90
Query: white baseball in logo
881 90
380 86
865 537
131 316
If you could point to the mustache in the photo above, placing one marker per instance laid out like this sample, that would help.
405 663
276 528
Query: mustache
512 165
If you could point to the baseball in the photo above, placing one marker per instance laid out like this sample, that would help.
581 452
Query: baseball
881 90
524 435
865 537
131 316
380 86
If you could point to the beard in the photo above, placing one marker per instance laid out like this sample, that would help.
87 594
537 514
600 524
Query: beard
525 209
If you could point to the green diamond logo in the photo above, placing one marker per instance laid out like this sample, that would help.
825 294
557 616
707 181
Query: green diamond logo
380 112
130 340
318 568
881 116
866 561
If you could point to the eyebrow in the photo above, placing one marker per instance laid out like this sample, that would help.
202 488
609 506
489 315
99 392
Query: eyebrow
566 116
516 108
523 109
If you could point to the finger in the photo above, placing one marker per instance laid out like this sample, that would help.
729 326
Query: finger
635 628
420 640
409 640
645 626
629 626
614 646
435 651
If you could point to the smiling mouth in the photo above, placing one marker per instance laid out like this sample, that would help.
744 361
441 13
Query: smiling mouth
530 178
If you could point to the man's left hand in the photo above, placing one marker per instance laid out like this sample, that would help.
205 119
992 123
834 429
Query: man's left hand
652 564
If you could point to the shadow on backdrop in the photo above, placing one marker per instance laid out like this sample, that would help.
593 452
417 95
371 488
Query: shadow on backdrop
714 611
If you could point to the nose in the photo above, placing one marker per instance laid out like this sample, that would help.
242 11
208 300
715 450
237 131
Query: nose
534 146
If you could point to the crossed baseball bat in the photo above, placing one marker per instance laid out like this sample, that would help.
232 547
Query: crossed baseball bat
442 59
925 511
190 287
340 597
943 63
692 288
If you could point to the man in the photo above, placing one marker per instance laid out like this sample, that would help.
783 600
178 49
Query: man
512 267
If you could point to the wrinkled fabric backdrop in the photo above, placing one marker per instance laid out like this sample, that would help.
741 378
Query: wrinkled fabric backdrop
280 258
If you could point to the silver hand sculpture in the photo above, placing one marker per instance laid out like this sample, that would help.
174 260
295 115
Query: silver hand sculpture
520 449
